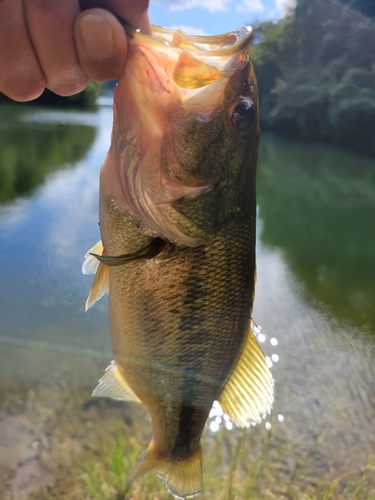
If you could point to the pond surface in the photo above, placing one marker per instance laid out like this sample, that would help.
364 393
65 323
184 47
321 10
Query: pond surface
315 294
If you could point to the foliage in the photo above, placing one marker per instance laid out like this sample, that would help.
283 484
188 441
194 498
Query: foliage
316 72
231 472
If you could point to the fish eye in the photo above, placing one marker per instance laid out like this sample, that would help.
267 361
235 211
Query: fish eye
243 115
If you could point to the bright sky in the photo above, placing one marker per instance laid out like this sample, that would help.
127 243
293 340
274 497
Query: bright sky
214 16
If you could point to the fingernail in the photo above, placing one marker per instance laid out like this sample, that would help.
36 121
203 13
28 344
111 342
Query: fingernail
96 37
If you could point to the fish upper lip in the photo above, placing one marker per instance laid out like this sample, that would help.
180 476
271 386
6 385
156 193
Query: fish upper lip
226 44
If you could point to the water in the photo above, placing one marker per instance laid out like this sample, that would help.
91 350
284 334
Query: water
315 295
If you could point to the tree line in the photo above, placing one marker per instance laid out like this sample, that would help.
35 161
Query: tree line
316 73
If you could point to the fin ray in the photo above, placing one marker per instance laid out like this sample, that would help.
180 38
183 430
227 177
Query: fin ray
99 286
90 264
183 478
247 396
113 385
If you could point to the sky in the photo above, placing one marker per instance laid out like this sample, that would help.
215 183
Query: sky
212 17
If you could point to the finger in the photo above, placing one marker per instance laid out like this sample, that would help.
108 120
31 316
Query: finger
21 77
51 27
101 45
133 11
144 24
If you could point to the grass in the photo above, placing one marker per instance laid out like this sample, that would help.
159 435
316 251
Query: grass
236 467
104 478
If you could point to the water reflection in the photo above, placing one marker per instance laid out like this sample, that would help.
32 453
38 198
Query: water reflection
318 206
32 146
43 238
315 268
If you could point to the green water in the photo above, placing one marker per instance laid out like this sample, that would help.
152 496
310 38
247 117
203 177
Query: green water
318 205
30 149
315 291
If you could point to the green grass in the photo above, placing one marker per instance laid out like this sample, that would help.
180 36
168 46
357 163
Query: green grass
233 469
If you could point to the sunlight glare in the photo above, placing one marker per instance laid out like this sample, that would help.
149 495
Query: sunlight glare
214 426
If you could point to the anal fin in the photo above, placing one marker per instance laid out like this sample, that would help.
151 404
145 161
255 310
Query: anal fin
113 385
183 478
247 396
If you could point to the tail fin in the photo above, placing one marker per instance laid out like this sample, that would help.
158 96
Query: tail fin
183 478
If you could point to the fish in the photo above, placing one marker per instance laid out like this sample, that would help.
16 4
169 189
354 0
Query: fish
177 251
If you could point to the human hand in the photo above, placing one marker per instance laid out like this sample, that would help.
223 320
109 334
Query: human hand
61 44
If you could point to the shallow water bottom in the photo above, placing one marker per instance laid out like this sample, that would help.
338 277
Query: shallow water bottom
57 442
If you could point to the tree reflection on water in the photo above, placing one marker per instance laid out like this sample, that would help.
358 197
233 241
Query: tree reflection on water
29 150
318 205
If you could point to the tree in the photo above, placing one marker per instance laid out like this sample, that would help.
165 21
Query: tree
316 73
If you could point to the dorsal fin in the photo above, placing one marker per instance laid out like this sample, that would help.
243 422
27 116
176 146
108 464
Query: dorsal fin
247 396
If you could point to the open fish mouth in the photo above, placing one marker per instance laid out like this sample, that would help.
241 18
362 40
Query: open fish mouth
202 59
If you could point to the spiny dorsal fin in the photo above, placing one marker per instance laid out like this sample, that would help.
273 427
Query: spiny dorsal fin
247 396
113 385
183 478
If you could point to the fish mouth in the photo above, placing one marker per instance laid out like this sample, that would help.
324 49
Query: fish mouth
219 45
201 59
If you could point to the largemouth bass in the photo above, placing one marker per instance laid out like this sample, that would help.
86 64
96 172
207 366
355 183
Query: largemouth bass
177 221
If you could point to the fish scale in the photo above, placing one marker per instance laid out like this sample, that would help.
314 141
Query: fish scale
215 286
177 220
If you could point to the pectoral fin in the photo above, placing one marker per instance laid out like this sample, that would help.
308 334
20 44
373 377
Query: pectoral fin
100 282
99 286
90 264
152 250
113 385
247 396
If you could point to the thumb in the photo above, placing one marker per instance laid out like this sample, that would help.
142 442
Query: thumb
101 44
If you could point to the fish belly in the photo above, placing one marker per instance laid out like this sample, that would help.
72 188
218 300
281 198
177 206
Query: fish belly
178 323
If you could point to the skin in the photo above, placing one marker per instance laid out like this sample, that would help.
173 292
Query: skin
62 44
